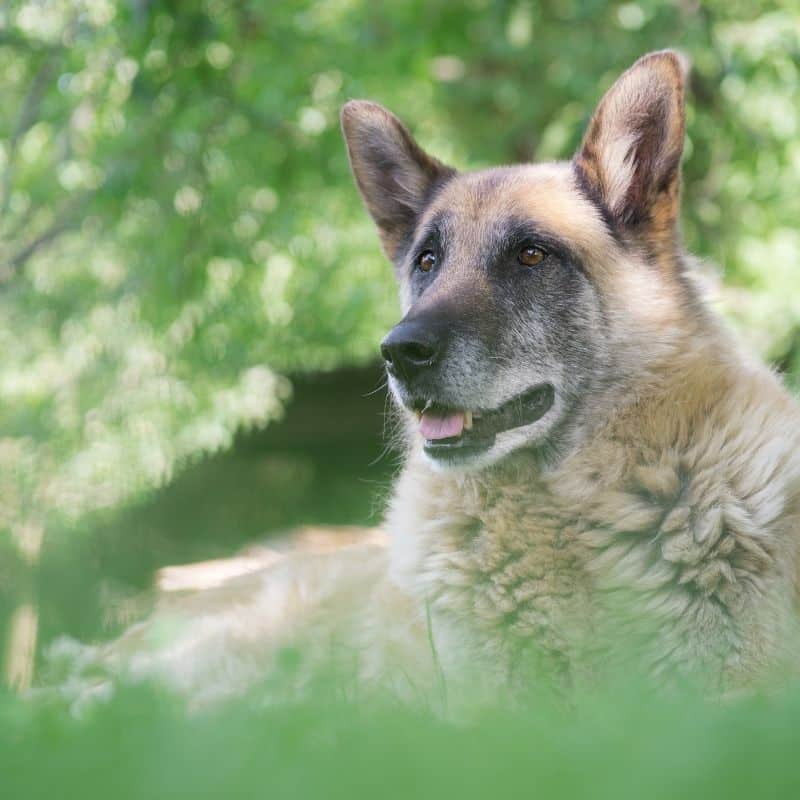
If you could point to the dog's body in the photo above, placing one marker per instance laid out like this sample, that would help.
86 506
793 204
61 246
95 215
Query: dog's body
660 484
591 455
680 514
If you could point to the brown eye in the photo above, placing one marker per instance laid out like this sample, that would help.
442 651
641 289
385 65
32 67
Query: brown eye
426 261
531 256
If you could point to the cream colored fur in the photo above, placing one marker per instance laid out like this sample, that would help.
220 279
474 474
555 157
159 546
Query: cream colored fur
668 526
676 522
680 513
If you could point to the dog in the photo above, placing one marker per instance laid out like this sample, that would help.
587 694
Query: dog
591 457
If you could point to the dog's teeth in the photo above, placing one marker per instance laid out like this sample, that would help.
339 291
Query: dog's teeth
468 420
418 414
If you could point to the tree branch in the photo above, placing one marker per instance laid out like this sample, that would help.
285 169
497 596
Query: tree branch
28 114
9 39
65 221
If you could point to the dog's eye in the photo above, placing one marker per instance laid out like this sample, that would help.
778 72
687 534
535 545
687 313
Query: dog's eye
531 256
426 261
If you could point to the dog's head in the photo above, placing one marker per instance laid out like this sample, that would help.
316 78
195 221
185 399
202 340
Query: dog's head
524 287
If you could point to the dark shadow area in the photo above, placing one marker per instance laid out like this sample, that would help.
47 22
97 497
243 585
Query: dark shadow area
326 462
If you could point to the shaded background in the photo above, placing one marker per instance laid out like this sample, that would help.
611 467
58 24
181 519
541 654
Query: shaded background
191 294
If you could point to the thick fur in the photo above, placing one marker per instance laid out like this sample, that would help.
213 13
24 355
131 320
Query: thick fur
681 511
657 503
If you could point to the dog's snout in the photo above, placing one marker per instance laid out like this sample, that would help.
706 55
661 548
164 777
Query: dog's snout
409 348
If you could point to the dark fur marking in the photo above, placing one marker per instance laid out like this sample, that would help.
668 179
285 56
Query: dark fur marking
412 238
517 232
592 193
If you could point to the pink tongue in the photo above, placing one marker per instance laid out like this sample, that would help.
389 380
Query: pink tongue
435 426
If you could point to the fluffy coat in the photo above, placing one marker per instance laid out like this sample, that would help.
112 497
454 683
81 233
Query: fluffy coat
654 508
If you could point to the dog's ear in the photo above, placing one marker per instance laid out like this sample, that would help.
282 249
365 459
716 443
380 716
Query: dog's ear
629 160
395 176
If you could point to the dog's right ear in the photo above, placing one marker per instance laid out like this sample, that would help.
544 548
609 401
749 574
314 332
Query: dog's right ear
395 176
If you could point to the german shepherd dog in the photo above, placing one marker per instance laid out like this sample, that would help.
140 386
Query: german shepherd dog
590 455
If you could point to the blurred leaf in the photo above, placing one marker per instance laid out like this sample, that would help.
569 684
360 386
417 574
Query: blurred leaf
178 228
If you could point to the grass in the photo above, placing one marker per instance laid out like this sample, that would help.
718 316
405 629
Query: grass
622 742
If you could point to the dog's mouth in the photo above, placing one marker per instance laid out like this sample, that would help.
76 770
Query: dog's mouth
454 434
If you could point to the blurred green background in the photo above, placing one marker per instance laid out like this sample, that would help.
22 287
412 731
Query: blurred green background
191 294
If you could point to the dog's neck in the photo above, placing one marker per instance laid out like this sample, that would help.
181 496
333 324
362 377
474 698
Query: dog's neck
513 555
615 433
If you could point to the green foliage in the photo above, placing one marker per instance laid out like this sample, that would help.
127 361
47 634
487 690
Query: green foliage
179 232
178 228
622 745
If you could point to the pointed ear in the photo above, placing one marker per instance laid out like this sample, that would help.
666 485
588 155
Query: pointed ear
395 176
629 160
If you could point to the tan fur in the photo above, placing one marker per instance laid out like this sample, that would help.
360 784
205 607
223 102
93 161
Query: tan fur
684 504
681 513
670 521
627 119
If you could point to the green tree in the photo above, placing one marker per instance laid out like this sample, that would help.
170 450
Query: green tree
178 229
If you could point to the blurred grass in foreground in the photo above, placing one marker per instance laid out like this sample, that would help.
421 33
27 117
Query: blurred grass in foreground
624 742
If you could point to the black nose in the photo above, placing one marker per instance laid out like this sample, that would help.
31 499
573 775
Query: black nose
410 347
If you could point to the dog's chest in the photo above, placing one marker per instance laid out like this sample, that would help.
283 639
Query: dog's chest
510 568
501 569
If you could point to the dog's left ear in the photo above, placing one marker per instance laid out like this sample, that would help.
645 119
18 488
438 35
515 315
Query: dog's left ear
395 176
629 160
